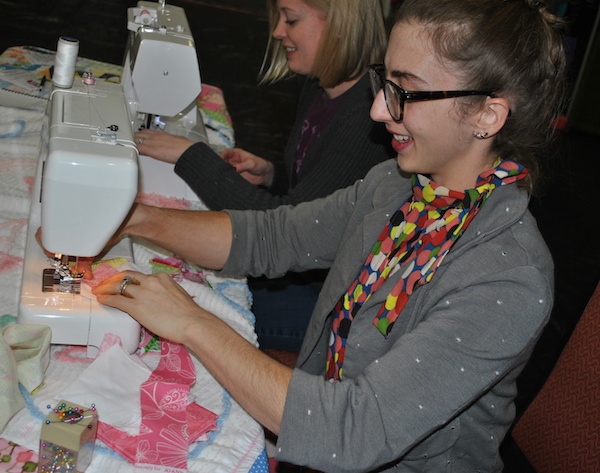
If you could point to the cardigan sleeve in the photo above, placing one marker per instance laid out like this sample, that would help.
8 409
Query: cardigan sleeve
341 155
218 184
280 179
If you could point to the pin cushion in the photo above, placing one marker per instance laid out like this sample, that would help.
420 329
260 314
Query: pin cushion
67 438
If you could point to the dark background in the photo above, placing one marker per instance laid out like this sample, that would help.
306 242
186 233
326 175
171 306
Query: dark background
230 36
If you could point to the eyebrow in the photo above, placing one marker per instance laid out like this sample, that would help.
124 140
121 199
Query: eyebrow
286 11
396 74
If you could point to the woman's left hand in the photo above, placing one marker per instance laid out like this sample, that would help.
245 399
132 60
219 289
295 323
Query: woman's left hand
155 301
255 380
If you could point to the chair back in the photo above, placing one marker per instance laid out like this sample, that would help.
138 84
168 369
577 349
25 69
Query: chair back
560 431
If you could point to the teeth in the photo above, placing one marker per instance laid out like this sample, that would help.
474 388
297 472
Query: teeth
402 138
290 49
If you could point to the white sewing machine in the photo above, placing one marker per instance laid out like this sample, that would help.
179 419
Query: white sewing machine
89 173
86 182
161 79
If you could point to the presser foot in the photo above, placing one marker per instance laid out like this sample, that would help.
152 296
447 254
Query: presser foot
61 277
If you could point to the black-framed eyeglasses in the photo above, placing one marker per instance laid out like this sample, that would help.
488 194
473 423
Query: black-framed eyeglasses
395 96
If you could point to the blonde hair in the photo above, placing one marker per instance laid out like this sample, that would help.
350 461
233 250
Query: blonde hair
354 37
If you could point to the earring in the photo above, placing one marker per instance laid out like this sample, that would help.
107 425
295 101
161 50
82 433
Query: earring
481 135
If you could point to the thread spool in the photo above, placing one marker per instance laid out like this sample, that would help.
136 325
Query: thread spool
66 57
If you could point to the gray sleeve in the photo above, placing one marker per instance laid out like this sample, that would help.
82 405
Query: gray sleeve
289 238
306 236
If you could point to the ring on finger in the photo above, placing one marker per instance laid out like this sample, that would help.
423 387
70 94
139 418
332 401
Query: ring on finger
141 141
124 283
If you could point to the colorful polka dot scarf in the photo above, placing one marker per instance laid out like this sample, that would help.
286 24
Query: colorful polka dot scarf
414 241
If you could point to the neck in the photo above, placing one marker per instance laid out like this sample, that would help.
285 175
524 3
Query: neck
334 92
462 176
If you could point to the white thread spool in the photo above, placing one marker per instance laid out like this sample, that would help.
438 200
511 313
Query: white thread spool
64 66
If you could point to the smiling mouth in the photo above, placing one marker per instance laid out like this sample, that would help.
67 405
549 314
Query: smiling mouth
402 138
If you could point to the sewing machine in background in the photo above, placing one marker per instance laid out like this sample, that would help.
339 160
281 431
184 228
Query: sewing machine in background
161 80
89 173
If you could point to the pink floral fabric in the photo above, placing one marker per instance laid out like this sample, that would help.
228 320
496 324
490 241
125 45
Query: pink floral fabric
164 438
170 423
15 458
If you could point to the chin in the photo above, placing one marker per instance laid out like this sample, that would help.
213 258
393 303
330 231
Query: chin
297 68
404 164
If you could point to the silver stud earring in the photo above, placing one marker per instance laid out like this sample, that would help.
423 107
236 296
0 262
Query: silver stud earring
481 135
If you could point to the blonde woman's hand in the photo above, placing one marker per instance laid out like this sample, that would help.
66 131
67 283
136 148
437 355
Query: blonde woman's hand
254 169
161 145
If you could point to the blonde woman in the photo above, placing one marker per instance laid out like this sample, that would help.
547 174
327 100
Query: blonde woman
332 143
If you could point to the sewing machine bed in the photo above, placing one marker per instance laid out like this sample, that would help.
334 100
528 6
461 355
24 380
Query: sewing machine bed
237 444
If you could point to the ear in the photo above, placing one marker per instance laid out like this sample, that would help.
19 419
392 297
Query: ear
492 116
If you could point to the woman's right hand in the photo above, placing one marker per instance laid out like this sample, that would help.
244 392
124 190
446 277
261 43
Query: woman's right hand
84 264
254 169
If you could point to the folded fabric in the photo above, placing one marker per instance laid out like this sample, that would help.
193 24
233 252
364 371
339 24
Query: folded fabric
11 400
164 438
24 358
217 121
139 409
179 269
112 382
199 420
105 269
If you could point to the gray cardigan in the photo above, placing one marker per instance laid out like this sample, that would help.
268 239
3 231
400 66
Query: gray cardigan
346 149
437 395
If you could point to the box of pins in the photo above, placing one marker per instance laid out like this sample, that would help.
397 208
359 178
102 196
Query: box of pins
67 438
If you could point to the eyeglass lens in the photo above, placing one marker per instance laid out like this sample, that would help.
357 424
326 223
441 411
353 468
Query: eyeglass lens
393 100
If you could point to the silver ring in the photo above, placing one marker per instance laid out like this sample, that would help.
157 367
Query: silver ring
141 141
124 283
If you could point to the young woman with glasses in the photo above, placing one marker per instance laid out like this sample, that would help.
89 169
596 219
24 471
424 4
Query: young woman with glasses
332 144
440 281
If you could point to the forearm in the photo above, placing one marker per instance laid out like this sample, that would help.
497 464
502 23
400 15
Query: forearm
257 382
218 184
201 237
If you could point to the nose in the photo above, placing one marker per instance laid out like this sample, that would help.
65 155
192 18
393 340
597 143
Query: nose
279 31
379 110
